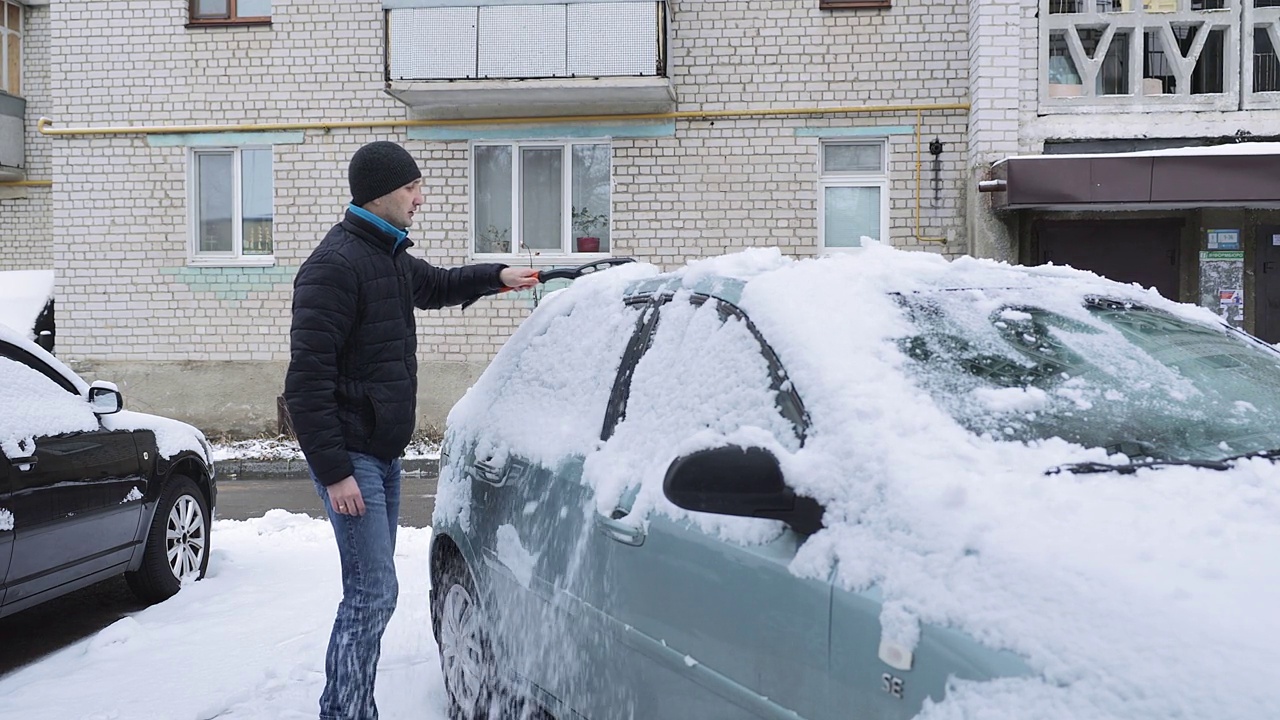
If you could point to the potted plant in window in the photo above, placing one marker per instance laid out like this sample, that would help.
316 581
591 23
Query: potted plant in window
494 240
585 225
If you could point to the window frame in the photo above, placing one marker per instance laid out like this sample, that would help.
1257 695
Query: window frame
232 17
565 252
852 179
236 258
5 34
854 4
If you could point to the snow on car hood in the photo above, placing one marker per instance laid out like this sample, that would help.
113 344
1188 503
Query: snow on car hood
172 436
1149 595
56 411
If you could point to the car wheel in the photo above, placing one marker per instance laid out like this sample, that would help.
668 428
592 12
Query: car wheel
177 544
466 656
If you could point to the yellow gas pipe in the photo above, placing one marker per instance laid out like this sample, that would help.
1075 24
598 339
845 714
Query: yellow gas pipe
45 127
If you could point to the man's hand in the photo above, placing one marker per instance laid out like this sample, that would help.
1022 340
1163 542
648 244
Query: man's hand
519 278
345 497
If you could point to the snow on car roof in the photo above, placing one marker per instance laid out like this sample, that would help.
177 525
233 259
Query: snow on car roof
23 295
22 341
1150 595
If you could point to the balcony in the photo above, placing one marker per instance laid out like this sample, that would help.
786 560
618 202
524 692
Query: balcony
478 58
12 140
1159 55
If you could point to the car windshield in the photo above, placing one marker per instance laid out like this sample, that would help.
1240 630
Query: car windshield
1110 374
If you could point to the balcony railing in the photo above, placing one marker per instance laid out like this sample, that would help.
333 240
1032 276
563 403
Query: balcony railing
502 40
1159 54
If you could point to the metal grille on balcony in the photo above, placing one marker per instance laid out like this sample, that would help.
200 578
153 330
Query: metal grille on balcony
564 40
1161 54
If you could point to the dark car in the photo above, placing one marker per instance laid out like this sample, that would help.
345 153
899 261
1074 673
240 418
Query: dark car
89 491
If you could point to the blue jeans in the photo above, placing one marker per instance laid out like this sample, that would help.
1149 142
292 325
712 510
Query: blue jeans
366 546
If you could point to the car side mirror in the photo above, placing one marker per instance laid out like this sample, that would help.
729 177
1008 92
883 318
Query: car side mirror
739 481
104 398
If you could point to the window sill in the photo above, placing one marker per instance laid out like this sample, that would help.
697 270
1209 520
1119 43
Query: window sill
202 262
540 261
239 22
854 4
852 250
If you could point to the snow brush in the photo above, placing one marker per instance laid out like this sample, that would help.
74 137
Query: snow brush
572 273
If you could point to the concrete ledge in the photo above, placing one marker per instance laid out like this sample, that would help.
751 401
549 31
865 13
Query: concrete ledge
238 399
479 99
250 469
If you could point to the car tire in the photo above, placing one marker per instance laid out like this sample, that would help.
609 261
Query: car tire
466 652
177 543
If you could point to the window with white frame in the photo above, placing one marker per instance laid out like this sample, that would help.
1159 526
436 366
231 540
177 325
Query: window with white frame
231 204
853 196
11 48
550 198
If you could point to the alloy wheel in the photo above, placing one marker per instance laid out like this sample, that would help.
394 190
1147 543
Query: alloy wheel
185 541
461 647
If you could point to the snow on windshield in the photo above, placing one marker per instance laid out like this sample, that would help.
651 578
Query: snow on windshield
1143 596
35 406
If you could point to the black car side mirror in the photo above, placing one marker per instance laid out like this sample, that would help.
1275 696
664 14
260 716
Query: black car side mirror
739 481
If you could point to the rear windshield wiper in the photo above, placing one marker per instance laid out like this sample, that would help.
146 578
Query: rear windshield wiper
1130 468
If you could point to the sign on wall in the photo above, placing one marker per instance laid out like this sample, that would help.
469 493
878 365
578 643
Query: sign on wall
1224 239
1222 283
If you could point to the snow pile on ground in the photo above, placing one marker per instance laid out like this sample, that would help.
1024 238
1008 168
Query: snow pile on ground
245 643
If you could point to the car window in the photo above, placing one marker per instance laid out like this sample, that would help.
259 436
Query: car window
705 369
35 406
1123 377
26 358
544 397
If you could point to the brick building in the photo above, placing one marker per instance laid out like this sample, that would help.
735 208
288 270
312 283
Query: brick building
1146 148
197 152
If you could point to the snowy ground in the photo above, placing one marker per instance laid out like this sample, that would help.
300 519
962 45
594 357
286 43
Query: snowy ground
245 643
286 449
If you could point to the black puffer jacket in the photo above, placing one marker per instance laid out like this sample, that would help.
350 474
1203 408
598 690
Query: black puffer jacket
352 383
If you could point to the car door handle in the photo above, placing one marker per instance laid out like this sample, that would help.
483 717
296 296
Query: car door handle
25 464
623 532
490 473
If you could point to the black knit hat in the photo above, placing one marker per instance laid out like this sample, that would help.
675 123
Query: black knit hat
379 168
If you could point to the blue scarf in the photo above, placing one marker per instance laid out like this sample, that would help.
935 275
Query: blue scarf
398 233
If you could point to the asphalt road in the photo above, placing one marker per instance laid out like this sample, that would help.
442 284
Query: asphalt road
33 633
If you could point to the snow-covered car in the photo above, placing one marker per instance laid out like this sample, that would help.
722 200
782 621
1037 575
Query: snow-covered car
874 486
89 491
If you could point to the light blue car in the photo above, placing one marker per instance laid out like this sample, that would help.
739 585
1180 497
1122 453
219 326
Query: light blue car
860 488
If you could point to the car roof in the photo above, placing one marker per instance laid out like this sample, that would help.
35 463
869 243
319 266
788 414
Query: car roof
717 286
8 336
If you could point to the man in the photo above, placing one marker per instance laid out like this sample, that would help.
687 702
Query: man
351 391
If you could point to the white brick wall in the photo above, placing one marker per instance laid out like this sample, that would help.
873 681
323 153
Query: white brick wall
119 227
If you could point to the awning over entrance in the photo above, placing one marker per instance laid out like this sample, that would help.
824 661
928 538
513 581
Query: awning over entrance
1244 174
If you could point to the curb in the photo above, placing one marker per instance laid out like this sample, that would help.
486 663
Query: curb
251 469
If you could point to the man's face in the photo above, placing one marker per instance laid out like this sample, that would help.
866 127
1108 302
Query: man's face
398 206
